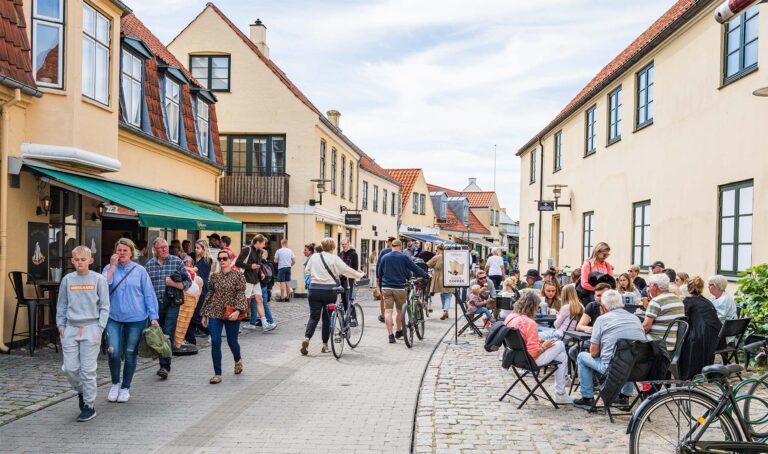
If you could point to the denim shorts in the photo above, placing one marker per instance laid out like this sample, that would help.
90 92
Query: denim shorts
284 274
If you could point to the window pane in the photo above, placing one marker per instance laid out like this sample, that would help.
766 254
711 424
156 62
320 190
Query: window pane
219 73
726 230
102 74
88 66
200 73
102 29
638 236
726 258
638 215
750 54
48 8
636 252
750 30
745 257
732 64
218 84
647 214
729 198
745 200
734 39
47 54
647 234
745 229
89 20
649 112
137 66
220 62
199 62
641 116
646 256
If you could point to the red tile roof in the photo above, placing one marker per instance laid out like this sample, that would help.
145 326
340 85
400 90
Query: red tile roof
367 163
479 199
270 64
679 13
454 223
450 192
407 178
154 104
15 57
189 120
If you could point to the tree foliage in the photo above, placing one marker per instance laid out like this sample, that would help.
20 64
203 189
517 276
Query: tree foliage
752 295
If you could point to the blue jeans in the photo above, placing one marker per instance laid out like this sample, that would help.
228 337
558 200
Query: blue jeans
215 326
169 313
123 341
267 310
446 299
588 364
484 311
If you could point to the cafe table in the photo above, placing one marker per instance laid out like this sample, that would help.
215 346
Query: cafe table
548 320
52 287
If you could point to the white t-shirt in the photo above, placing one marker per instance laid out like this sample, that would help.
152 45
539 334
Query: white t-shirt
284 257
495 265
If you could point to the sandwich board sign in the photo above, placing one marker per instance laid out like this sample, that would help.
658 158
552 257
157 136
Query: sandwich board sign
456 264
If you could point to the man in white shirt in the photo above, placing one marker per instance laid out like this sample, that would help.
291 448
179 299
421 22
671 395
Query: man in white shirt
494 267
285 259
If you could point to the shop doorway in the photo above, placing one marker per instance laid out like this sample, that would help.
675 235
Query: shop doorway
275 233
113 229
554 245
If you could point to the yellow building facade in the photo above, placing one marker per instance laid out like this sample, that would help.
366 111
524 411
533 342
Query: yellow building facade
660 155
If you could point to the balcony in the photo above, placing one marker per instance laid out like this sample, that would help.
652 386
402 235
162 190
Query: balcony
255 190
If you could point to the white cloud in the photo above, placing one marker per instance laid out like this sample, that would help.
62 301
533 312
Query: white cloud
436 83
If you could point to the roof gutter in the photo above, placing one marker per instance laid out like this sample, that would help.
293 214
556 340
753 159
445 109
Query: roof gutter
122 6
645 50
26 89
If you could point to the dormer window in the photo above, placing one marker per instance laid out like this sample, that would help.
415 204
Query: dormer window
131 82
172 103
203 128
47 40
95 55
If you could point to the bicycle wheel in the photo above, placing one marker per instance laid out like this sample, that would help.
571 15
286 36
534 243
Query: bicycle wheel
419 320
337 333
755 406
406 318
356 326
668 420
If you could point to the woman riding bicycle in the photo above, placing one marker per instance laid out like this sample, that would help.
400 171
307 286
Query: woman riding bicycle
324 270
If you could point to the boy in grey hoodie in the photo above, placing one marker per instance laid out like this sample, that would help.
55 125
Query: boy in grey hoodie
82 312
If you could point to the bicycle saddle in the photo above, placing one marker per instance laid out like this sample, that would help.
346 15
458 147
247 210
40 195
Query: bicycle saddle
755 346
718 371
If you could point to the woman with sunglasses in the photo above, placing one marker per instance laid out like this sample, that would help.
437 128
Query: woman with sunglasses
225 288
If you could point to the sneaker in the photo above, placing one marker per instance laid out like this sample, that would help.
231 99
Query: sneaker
381 318
80 401
444 316
239 367
563 399
124 395
325 349
585 403
87 414
250 327
113 392
163 373
258 322
269 327
621 402
215 380
392 339
399 334
305 346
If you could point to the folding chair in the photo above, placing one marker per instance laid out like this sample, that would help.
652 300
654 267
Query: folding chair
516 356
731 328
469 318
682 331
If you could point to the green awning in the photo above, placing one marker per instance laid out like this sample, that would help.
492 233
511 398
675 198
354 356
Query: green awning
156 208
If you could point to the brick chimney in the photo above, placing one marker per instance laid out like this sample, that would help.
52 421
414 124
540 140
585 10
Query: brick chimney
333 117
259 36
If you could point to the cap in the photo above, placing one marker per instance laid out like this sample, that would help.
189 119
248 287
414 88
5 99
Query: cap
214 236
658 263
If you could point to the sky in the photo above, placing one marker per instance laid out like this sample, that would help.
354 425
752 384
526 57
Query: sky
435 84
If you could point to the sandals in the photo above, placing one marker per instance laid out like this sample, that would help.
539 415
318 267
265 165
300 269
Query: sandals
215 380
239 367
325 349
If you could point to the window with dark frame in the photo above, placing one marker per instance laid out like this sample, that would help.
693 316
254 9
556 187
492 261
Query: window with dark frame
333 171
351 180
590 131
393 210
735 228
530 241
644 96
614 116
212 71
64 226
172 109
375 198
383 201
641 234
558 155
415 203
254 155
322 159
587 236
533 167
131 84
343 176
422 204
96 39
741 39
48 42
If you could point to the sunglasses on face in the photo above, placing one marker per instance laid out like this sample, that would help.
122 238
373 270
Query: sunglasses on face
223 259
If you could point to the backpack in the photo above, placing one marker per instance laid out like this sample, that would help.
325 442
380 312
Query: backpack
266 272
496 335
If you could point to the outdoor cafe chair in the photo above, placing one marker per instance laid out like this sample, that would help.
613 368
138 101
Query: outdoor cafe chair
516 356
35 307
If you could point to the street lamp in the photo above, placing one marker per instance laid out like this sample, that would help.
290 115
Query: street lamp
557 191
762 92
320 190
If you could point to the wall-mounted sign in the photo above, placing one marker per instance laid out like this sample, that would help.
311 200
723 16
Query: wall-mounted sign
546 205
353 219
413 229
37 250
456 265
117 209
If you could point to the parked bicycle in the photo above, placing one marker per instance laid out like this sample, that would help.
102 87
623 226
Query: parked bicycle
412 315
347 324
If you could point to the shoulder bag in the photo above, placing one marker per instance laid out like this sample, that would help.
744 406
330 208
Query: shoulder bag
338 289
121 280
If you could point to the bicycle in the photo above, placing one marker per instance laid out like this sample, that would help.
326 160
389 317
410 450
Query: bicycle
346 324
696 418
424 295
412 315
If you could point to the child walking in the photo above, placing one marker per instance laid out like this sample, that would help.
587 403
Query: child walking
81 316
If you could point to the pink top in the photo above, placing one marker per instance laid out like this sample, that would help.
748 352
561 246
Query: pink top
528 330
589 267
564 322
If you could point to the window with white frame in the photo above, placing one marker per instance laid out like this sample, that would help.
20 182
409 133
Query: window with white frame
95 55
614 116
530 242
735 236
383 201
203 126
131 84
172 109
48 42
641 234
588 231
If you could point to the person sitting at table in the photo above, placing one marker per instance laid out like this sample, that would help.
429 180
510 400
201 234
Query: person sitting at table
509 290
721 299
477 304
626 288
571 311
543 352
662 310
593 310
703 329
483 281
550 295
614 324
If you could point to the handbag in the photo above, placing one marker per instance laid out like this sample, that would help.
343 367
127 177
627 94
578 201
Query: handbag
338 289
229 310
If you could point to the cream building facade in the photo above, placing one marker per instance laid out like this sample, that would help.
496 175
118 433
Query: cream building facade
417 214
660 154
290 172
104 134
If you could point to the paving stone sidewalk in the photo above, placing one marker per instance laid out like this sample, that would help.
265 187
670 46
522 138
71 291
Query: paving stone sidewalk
459 411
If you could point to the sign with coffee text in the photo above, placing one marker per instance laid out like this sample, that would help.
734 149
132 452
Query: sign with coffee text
456 264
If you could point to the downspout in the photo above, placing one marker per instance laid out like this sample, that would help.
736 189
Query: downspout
4 146
541 197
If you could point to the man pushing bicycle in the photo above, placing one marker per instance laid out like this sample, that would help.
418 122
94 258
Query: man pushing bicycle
393 272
